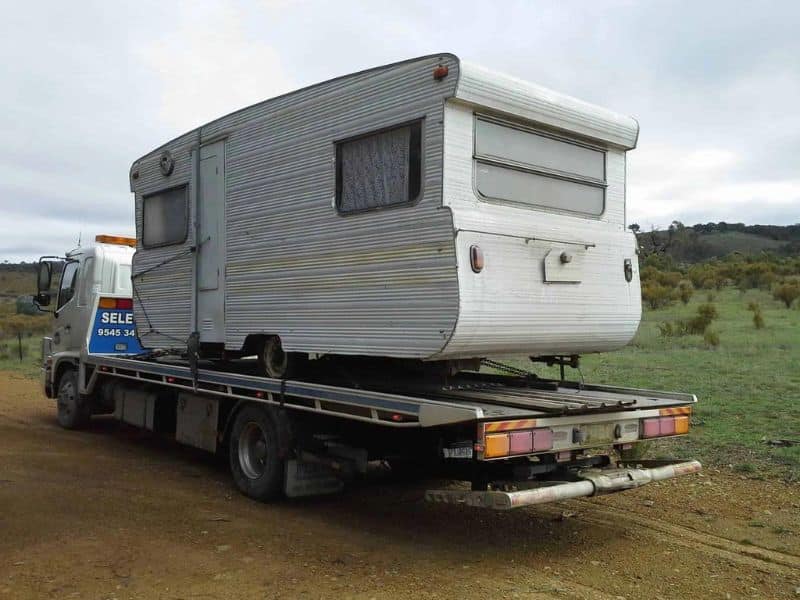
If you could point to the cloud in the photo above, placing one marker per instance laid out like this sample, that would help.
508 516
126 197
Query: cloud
209 65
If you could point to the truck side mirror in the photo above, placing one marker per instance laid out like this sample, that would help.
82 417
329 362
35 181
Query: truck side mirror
44 278
42 299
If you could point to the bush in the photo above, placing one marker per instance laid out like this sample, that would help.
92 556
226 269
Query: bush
697 325
656 295
25 306
787 293
685 291
711 338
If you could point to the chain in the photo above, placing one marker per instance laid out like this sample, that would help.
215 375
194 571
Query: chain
508 368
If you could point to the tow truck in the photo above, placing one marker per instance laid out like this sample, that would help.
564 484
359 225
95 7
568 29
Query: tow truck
516 438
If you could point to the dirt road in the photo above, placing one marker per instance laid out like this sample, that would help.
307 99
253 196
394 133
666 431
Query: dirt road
116 513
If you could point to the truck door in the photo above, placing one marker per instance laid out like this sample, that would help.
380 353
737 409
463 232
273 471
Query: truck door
67 326
210 284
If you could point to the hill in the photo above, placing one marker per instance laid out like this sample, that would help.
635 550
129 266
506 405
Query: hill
701 242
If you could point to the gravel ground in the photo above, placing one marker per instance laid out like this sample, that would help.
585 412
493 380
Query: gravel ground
113 512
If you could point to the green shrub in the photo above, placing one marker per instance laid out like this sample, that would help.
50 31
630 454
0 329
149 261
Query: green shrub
656 295
758 317
697 325
25 306
666 329
707 311
711 338
685 290
787 293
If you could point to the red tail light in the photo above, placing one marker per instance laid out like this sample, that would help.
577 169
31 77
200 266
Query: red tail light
118 303
664 426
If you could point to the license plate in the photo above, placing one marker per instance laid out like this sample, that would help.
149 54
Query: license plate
458 452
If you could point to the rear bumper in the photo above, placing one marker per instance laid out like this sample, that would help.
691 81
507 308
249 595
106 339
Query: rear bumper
590 482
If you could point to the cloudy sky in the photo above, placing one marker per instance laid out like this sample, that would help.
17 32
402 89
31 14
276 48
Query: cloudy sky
87 87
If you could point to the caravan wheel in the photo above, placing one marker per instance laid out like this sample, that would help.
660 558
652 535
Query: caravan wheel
276 363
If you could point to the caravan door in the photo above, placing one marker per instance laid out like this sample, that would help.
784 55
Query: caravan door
210 273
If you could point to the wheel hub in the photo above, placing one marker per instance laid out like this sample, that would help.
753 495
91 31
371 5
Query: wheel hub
253 450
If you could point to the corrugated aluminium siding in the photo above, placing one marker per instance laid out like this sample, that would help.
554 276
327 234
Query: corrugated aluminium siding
163 301
381 283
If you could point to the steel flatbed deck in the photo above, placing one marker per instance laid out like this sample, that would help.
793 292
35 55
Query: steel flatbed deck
472 397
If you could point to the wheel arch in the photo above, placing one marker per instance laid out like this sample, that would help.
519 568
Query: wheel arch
60 366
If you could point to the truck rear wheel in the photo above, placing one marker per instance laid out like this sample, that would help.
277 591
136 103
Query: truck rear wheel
254 455
73 409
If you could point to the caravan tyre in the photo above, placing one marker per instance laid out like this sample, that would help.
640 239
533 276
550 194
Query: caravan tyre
254 454
73 409
276 363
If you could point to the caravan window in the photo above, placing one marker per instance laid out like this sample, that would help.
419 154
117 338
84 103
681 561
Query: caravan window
523 166
165 218
380 169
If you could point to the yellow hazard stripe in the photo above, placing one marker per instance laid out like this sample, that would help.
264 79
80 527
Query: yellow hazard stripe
509 425
680 410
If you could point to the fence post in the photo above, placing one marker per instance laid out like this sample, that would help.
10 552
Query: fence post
19 341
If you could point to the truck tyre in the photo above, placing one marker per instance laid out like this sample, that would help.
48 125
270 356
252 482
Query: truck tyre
73 409
276 363
254 454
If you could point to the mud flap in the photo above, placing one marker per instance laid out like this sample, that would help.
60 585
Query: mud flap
310 479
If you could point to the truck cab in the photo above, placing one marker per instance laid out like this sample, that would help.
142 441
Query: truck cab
91 313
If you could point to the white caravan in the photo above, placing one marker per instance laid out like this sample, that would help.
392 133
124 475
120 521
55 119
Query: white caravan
428 209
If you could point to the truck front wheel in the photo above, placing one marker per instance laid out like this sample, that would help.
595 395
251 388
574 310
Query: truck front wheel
73 409
254 454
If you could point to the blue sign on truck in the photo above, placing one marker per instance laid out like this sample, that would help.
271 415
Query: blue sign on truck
114 331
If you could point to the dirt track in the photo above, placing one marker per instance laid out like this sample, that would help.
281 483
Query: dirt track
116 513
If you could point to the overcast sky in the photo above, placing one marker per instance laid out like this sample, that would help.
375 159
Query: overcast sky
87 87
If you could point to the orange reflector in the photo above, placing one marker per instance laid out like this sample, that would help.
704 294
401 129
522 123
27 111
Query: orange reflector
680 410
116 239
681 425
440 72
107 303
497 444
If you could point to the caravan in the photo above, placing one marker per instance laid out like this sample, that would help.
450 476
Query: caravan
428 209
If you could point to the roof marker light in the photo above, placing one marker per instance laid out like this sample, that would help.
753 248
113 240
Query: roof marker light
118 240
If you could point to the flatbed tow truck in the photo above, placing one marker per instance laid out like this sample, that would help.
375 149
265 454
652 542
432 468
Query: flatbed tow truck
518 439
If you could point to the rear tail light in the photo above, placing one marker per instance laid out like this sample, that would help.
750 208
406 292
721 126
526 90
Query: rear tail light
517 442
664 426
116 303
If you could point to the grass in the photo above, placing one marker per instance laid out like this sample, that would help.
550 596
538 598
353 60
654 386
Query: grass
31 355
748 387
